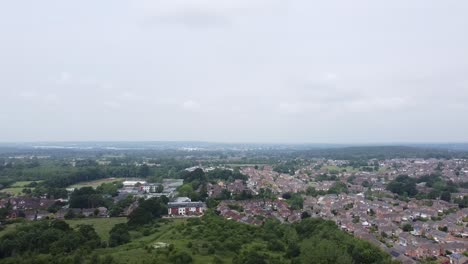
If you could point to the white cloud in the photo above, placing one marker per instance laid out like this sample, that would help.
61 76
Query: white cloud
200 13
27 94
299 107
51 98
330 76
251 64
377 104
63 78
112 104
130 96
363 104
191 105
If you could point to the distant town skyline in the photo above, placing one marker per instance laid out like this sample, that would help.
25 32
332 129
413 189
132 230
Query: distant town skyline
245 71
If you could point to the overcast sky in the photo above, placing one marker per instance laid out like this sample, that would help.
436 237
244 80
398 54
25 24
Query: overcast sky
234 70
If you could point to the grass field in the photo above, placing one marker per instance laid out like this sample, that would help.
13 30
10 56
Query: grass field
17 188
138 249
23 183
101 225
135 251
15 191
95 183
339 169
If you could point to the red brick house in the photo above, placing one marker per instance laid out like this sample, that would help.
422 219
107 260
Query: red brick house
186 208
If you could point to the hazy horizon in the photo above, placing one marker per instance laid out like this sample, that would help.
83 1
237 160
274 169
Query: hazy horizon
407 143
245 71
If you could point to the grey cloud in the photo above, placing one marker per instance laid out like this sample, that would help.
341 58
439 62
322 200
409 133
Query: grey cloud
234 70
191 19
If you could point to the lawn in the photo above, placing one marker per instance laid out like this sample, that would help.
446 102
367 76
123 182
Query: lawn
15 191
339 169
101 225
16 188
95 183
23 183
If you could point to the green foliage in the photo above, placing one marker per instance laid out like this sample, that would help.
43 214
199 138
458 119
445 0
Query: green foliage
86 197
144 171
244 195
147 211
212 238
225 175
252 257
109 188
351 179
462 202
329 245
70 214
443 228
295 201
287 167
54 237
181 258
338 187
236 207
407 227
311 191
186 190
446 196
196 178
117 208
325 177
403 185
194 185
266 193
440 188
365 184
119 235
309 241
323 252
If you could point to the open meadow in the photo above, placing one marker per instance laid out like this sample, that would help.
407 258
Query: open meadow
101 225
16 188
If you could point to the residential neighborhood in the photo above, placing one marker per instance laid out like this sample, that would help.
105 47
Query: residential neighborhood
413 209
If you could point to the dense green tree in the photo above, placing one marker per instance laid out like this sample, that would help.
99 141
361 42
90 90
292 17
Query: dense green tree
338 187
110 188
147 211
181 258
144 171
403 185
462 202
323 252
407 227
119 235
446 196
48 237
86 197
